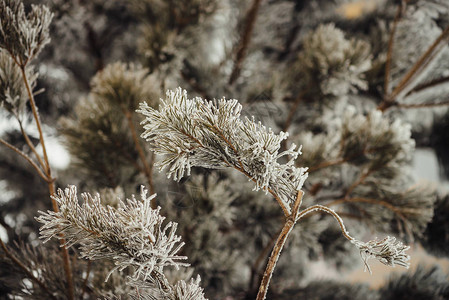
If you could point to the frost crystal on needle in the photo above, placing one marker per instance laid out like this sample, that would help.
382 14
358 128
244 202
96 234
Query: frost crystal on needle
388 251
132 235
211 134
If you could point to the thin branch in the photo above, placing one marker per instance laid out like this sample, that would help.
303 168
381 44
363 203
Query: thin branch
51 186
245 39
220 133
25 269
30 144
421 105
321 208
427 85
28 159
147 169
358 182
420 65
390 48
36 118
280 242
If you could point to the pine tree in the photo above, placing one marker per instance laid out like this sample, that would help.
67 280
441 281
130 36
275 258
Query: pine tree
241 211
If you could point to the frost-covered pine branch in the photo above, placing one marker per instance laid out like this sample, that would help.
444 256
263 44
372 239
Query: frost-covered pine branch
132 236
195 132
200 133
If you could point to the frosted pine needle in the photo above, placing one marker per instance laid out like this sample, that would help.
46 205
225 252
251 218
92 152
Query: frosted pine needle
388 251
132 235
211 134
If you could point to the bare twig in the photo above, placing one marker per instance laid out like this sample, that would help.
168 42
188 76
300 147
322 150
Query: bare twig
398 211
422 62
415 70
28 159
51 186
30 144
280 242
421 105
390 48
321 208
251 17
37 119
427 85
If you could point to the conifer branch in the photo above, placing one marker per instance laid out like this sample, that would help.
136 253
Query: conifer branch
195 132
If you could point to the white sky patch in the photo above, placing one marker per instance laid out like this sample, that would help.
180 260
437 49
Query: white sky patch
57 155
425 165
3 235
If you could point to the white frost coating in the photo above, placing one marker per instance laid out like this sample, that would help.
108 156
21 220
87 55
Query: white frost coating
388 251
211 134
132 235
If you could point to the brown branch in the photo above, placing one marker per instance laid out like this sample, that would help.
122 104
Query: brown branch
27 158
416 69
30 144
37 119
321 208
251 17
280 242
25 269
421 105
147 169
358 182
390 48
51 186
220 133
427 85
